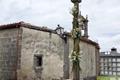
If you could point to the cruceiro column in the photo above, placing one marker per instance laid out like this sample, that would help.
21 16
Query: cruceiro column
76 34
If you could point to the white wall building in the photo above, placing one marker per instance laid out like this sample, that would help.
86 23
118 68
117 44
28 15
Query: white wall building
110 63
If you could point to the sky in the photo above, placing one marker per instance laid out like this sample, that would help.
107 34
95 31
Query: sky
103 15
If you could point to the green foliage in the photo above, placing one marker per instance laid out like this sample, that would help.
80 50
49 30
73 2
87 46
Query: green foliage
76 33
103 78
75 58
108 78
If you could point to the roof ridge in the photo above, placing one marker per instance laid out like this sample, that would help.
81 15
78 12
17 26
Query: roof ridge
26 25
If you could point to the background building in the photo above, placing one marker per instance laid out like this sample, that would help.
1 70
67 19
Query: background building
29 52
110 63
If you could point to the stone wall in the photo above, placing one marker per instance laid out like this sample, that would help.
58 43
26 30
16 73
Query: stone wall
55 52
66 58
20 46
8 54
50 46
88 58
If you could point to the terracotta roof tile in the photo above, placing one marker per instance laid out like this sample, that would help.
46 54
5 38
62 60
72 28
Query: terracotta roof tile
27 25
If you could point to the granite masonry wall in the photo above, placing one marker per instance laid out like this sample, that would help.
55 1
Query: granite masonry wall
88 60
29 54
55 52
8 54
47 44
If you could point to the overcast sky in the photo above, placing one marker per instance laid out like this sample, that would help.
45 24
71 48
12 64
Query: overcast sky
104 17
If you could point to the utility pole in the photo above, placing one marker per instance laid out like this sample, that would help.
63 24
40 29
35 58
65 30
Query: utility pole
76 34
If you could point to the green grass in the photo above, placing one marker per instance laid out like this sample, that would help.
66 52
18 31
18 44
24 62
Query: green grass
108 78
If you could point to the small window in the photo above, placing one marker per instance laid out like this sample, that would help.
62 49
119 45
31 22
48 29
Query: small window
118 73
113 59
114 64
114 73
109 59
118 69
38 60
106 72
118 59
102 73
114 69
110 73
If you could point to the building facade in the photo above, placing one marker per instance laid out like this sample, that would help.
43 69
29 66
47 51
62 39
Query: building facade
110 63
29 52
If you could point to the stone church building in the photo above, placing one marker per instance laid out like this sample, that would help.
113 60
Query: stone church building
29 52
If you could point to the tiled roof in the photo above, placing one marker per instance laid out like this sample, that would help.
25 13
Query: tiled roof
27 25
9 26
86 40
